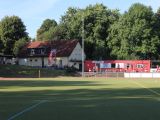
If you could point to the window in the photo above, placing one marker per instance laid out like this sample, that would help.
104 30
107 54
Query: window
113 65
42 51
30 60
140 66
36 60
120 65
105 65
128 65
32 52
60 62
154 64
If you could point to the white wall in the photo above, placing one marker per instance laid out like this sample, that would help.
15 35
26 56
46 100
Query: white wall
23 61
38 61
30 61
45 61
142 75
64 61
35 62
77 53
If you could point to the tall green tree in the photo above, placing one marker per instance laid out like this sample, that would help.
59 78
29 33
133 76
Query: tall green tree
97 20
18 46
11 30
71 23
46 29
133 36
157 24
1 46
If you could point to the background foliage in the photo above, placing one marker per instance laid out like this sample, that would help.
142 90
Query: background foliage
108 33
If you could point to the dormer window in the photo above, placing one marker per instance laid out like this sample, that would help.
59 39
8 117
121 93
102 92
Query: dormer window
32 52
42 51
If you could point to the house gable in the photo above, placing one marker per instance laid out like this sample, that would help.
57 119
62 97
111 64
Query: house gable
76 54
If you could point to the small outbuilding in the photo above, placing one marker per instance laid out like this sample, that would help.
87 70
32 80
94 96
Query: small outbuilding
7 59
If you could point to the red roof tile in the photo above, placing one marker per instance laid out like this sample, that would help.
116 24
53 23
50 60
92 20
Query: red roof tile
37 44
63 47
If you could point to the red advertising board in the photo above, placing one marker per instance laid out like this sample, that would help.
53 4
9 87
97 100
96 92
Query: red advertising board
117 66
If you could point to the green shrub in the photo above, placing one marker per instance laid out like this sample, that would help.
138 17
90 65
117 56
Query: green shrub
71 69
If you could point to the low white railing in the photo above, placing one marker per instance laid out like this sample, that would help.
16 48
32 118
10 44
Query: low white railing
122 74
142 75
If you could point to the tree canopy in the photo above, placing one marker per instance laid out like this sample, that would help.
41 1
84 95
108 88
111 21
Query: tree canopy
11 30
133 36
108 34
97 20
19 45
46 30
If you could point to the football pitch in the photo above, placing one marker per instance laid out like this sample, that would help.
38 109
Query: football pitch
73 98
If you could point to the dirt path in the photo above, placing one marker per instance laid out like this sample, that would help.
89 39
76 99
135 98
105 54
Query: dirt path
3 78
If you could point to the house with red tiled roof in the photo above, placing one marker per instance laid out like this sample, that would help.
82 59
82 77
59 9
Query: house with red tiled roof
40 54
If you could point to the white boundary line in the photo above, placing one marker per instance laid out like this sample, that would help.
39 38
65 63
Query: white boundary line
26 110
149 89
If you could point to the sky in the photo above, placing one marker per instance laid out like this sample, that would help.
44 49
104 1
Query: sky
34 12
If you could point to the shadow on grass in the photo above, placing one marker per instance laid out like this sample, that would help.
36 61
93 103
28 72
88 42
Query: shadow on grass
45 83
82 104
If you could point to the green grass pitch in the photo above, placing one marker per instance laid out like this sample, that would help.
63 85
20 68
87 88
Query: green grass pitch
71 98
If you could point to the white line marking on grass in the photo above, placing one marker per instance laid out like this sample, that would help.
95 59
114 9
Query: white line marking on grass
149 89
26 110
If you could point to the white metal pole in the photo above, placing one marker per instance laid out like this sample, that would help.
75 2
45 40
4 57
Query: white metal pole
83 44
39 75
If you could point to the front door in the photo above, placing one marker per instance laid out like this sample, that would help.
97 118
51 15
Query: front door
80 67
42 62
